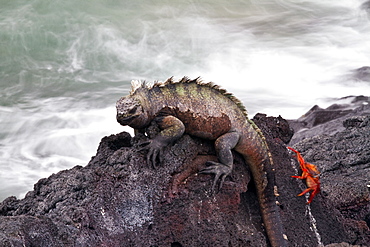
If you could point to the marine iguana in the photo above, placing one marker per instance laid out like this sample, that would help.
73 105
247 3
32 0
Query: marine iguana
205 110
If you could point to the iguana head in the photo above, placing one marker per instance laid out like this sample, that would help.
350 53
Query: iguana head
129 111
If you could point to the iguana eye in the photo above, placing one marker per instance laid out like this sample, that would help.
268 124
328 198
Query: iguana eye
133 110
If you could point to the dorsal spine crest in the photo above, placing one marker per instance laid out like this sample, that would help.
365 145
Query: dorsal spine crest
259 132
137 84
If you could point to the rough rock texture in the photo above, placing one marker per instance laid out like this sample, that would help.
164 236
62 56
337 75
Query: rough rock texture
318 121
344 162
117 200
363 73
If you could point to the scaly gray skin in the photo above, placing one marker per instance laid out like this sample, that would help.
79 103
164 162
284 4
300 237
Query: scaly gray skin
206 111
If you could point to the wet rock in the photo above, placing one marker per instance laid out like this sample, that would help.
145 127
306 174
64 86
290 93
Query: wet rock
118 200
363 73
274 127
319 121
342 245
344 162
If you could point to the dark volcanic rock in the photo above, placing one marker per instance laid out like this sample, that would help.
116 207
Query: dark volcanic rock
117 200
318 121
363 73
344 162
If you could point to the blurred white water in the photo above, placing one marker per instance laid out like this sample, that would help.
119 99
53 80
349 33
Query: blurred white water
65 63
46 141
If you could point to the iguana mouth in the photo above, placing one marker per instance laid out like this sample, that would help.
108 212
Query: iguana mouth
125 120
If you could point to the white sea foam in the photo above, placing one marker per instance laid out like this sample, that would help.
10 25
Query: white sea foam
47 141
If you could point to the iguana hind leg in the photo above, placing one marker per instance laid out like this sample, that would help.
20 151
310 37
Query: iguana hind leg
224 144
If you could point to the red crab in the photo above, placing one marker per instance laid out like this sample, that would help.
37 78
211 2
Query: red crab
311 174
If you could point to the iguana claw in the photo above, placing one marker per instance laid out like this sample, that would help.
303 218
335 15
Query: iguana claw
220 170
155 151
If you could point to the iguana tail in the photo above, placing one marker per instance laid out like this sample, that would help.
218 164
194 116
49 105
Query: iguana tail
257 155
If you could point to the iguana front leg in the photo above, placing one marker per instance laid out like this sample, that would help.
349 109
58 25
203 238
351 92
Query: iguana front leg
224 144
171 129
139 131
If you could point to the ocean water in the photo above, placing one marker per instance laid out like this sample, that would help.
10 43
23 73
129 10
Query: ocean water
63 65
